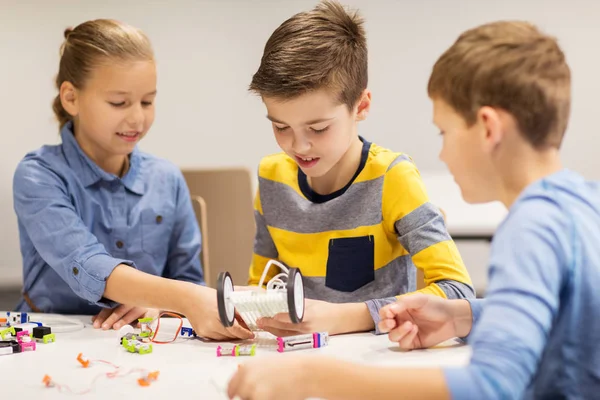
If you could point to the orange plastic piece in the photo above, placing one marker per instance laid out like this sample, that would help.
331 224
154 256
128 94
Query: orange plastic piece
84 362
145 381
47 381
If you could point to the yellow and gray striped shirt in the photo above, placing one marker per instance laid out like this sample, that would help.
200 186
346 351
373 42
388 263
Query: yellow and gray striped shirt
361 243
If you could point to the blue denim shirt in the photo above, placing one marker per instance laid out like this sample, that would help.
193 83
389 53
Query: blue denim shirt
78 222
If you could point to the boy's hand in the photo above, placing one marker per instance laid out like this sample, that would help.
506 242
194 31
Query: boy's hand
202 312
320 316
119 316
419 321
254 380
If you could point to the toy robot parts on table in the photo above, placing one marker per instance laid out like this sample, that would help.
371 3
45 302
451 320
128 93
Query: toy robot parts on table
13 318
15 339
280 297
236 350
135 343
307 341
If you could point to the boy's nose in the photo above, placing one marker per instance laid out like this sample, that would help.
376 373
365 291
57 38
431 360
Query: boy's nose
300 145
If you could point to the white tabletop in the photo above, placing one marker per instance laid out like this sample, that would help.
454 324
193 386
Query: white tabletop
462 218
187 366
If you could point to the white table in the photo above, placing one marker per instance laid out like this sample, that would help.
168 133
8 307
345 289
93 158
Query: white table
188 367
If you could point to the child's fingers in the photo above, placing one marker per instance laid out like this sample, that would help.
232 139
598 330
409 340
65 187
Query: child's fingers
386 325
132 315
407 342
391 310
116 315
397 334
101 317
240 333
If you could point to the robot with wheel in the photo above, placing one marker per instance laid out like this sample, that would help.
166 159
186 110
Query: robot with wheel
284 294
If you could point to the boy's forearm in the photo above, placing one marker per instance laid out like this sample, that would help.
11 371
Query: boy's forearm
333 379
354 317
127 285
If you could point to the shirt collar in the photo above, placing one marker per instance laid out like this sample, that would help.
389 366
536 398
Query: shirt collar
90 173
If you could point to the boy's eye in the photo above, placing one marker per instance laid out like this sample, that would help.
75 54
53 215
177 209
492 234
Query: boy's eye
121 104
146 103
281 128
319 130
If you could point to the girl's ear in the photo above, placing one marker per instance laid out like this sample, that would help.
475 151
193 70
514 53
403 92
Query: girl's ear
69 98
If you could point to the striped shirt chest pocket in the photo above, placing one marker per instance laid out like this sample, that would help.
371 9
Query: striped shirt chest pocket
350 263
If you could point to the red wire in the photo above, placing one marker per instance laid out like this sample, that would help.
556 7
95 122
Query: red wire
158 327
109 375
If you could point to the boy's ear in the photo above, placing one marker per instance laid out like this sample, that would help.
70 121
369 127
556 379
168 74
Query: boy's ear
492 127
69 98
364 105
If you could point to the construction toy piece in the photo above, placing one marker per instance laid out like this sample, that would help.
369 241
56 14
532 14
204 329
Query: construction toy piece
279 297
13 318
307 341
146 329
83 360
237 350
127 337
25 341
50 338
134 343
43 334
187 331
47 381
9 347
137 346
8 333
149 378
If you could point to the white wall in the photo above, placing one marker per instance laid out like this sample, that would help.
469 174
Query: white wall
207 52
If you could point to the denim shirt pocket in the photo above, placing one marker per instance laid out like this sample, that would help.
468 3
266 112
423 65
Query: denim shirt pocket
157 228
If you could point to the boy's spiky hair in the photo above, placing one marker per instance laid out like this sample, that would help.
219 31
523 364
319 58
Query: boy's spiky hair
322 48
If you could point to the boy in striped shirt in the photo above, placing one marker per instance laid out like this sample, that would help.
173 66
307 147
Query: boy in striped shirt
352 216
